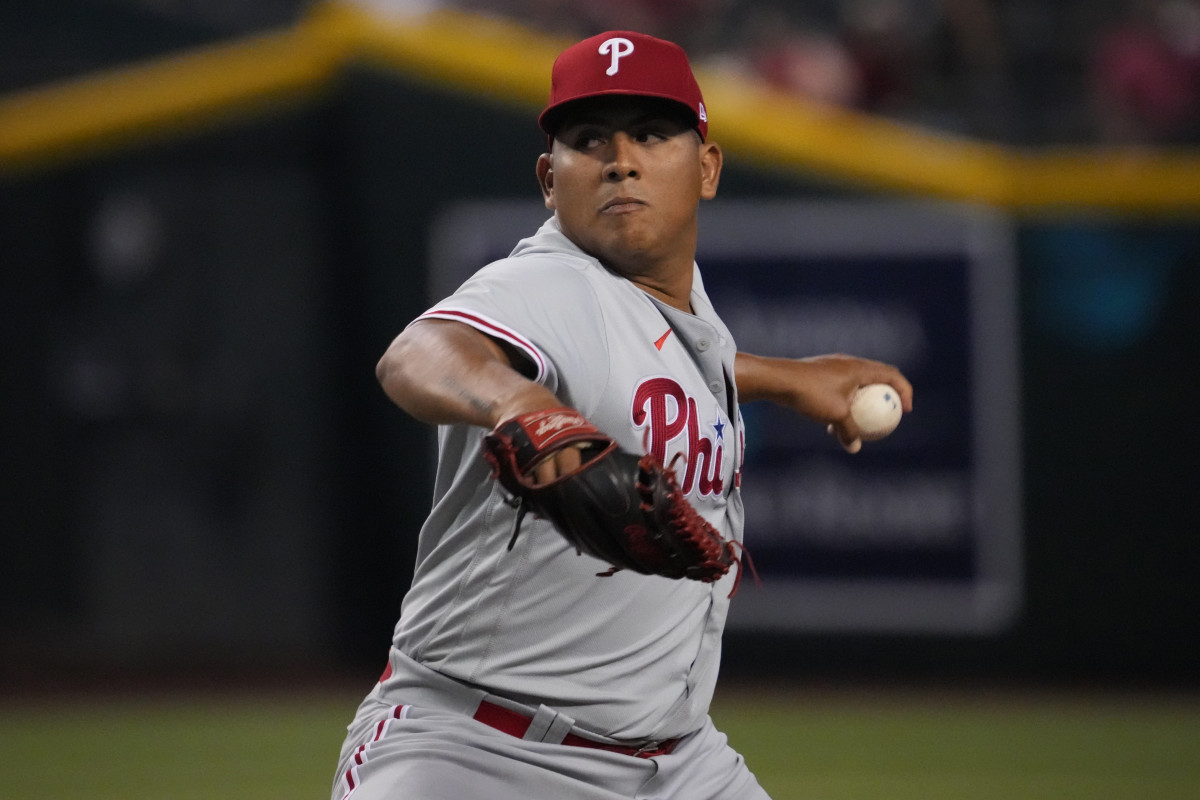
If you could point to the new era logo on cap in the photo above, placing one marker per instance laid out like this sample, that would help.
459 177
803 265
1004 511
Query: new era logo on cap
624 63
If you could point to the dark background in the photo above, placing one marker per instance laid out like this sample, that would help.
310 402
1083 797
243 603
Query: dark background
201 475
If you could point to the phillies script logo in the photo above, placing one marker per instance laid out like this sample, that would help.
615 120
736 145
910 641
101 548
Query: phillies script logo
661 407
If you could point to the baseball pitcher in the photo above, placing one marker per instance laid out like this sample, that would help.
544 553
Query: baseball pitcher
562 634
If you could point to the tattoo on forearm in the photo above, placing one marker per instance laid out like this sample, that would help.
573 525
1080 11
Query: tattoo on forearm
467 396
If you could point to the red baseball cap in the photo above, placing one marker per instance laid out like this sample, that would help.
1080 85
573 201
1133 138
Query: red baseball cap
623 63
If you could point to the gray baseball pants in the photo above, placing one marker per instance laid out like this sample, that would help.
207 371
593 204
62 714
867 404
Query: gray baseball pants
432 749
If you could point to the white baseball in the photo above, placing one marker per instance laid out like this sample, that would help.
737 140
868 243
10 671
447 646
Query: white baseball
876 410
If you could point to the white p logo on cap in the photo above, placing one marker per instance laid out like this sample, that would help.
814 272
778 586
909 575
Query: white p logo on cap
619 47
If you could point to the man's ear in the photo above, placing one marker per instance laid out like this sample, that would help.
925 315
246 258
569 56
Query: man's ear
545 177
711 160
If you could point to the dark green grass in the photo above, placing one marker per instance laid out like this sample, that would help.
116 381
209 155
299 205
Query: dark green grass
182 748
931 746
803 745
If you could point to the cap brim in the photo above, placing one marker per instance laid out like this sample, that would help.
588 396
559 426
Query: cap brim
551 118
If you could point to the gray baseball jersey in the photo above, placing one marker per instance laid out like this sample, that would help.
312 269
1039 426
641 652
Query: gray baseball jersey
629 656
625 658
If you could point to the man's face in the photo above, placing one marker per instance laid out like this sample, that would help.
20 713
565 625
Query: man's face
625 177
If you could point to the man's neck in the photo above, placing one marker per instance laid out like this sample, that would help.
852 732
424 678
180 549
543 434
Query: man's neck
678 295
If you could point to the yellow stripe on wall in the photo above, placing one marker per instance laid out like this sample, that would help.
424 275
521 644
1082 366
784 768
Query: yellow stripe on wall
775 129
1125 180
477 54
506 62
79 116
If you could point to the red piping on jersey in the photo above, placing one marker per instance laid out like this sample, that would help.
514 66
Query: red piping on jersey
489 326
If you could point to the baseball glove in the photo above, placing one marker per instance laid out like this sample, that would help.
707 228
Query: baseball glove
624 509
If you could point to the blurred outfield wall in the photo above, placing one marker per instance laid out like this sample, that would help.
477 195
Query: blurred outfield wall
204 256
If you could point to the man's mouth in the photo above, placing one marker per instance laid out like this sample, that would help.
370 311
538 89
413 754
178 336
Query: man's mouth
620 205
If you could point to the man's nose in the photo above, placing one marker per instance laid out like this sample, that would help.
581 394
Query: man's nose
623 163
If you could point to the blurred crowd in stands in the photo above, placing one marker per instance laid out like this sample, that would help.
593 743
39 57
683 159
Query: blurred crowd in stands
1013 71
1017 71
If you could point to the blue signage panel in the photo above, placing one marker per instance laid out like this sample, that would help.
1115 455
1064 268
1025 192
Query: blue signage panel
919 531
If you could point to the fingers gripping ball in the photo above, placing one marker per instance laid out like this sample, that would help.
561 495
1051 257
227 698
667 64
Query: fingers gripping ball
624 509
876 410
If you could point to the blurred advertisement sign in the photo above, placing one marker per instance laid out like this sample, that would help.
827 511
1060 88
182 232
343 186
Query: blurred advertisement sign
919 532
